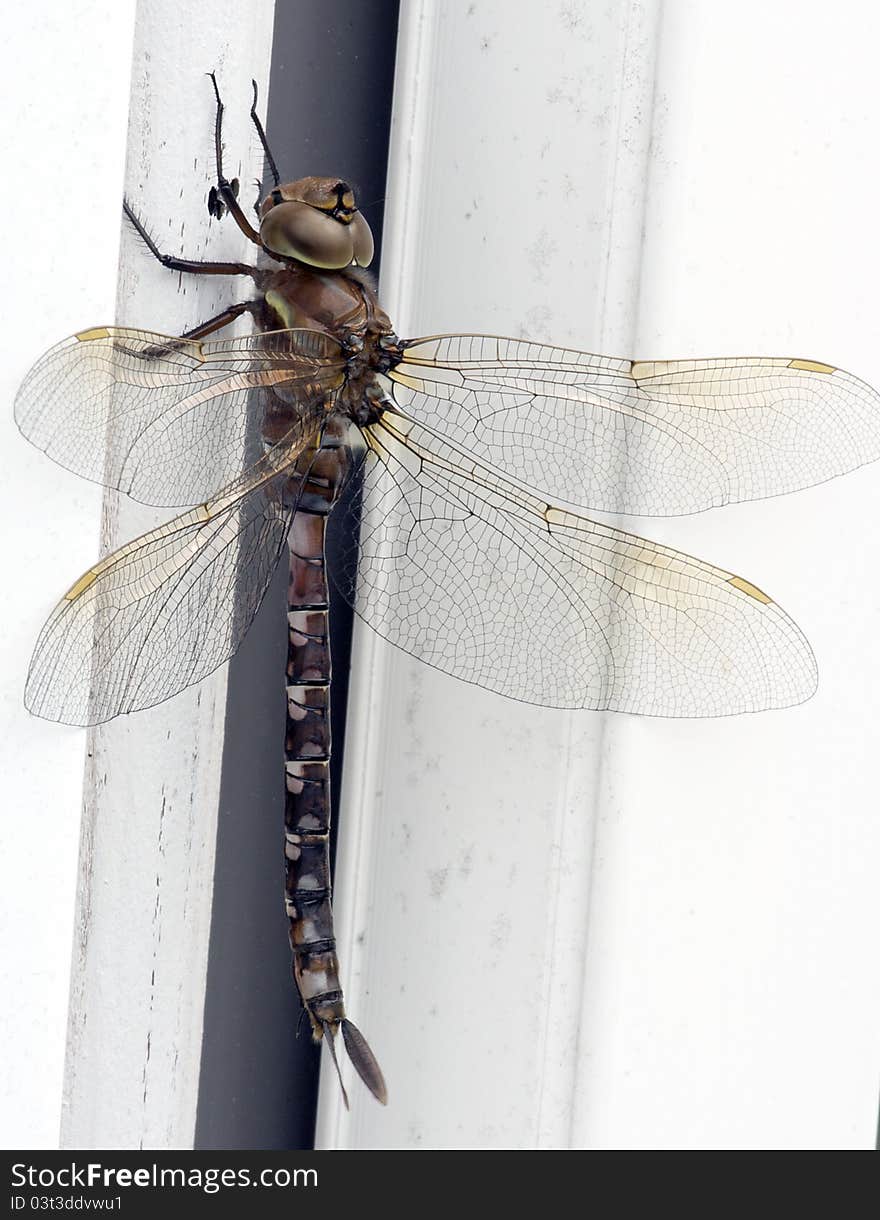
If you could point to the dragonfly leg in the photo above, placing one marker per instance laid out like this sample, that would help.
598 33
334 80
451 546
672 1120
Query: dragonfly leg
221 319
267 152
224 196
192 266
198 332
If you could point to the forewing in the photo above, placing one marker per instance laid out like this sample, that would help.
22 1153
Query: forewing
163 611
470 574
169 421
651 437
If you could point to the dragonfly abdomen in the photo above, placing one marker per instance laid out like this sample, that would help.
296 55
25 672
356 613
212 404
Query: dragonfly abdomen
308 886
307 761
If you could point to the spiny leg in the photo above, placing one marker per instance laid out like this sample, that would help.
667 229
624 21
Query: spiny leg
225 191
221 319
191 266
264 142
198 332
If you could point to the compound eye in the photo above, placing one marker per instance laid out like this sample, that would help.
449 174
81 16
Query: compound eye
362 240
296 230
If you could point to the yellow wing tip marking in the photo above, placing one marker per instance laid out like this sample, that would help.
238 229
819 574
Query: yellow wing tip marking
643 368
97 332
81 585
750 590
812 366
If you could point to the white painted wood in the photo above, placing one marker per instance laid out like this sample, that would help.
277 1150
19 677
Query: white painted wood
146 861
732 996
610 932
64 81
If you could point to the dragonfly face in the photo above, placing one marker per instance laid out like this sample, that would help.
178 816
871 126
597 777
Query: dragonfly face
316 221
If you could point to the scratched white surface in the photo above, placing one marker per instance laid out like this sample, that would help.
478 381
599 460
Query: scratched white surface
145 892
605 932
64 80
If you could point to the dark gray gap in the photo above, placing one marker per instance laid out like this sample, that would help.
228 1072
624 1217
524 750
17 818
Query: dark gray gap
329 111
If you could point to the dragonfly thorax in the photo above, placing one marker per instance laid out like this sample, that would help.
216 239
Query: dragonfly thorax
344 305
372 404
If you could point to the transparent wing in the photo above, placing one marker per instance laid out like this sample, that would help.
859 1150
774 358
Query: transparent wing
655 437
169 421
482 580
164 610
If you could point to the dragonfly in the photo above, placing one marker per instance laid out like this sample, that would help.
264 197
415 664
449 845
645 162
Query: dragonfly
453 474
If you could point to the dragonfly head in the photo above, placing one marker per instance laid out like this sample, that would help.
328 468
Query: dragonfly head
316 221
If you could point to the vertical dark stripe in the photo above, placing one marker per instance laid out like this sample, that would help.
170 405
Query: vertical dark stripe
329 110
